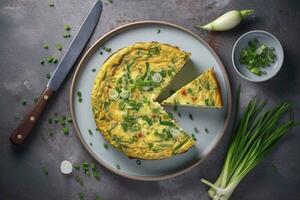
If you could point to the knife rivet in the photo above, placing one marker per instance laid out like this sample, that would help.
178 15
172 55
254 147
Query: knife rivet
46 97
31 118
19 136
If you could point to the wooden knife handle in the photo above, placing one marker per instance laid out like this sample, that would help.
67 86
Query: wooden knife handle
31 118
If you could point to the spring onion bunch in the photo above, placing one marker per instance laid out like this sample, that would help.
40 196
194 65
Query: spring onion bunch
256 134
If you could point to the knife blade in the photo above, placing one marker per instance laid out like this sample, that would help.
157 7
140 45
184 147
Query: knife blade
76 47
72 53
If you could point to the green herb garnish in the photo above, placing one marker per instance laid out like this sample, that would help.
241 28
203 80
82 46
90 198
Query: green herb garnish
46 46
138 162
66 35
66 130
191 117
196 130
85 168
59 46
107 49
118 167
257 56
45 170
90 132
67 27
158 31
42 62
81 195
93 70
105 146
23 101
166 123
206 130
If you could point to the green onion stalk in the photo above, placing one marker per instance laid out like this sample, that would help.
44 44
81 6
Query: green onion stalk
256 134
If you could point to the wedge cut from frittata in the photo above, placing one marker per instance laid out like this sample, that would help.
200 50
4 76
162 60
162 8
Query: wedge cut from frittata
203 91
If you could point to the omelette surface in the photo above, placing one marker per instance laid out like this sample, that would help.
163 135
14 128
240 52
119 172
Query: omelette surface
124 106
201 92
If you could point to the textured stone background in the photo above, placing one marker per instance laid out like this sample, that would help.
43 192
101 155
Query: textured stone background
26 24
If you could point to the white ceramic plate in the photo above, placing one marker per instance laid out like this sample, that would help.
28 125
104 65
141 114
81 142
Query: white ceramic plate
215 121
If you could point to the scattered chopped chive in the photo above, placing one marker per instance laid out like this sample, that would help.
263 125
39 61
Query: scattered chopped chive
48 76
79 180
191 116
45 170
66 35
80 100
35 99
105 146
138 162
95 171
196 130
206 130
179 114
81 195
193 136
59 46
42 62
110 1
93 70
66 130
50 120
107 49
90 132
62 121
96 129
55 120
69 120
86 168
91 144
101 52
79 94
118 167
46 45
55 61
76 166
50 59
24 102
67 27
51 3
158 31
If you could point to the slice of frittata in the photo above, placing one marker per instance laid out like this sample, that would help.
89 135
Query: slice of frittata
203 91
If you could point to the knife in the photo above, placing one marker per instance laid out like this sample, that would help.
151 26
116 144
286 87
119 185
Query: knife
62 70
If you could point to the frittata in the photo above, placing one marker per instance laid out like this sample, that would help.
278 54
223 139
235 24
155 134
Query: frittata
201 92
124 106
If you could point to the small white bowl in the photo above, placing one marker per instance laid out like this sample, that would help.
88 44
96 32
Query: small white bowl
264 38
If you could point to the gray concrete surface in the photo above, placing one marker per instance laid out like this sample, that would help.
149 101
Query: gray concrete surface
26 24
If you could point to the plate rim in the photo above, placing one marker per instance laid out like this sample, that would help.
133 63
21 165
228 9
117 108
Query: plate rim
101 40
